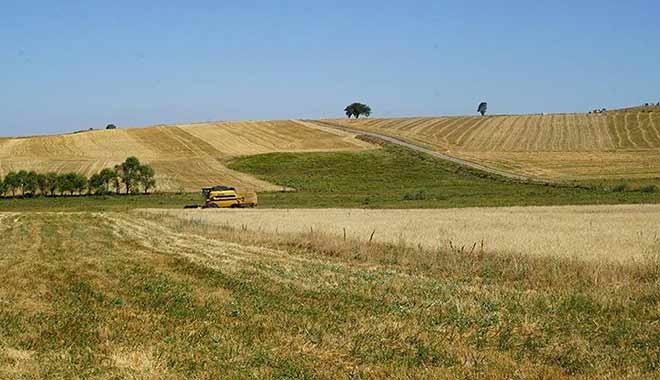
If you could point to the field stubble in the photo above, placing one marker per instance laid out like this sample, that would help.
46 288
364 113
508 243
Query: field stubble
144 295
185 157
557 146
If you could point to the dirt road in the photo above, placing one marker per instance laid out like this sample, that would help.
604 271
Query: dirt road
418 148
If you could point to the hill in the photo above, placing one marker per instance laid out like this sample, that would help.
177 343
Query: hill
612 145
184 156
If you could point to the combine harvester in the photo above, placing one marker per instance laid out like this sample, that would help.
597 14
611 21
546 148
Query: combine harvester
226 197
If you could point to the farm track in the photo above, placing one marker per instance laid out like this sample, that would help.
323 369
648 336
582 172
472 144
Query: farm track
547 148
421 149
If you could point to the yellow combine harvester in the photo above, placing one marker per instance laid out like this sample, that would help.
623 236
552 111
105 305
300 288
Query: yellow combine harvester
226 197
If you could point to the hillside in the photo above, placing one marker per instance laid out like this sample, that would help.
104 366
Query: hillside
184 156
624 144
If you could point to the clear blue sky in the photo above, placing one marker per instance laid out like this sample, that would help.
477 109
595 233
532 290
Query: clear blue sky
68 65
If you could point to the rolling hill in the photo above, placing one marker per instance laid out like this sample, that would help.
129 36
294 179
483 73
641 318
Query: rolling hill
184 156
613 145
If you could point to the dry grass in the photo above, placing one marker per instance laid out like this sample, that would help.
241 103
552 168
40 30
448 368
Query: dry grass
184 156
616 233
153 296
559 146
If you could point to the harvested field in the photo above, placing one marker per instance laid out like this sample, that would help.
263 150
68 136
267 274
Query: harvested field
618 144
614 233
184 156
146 296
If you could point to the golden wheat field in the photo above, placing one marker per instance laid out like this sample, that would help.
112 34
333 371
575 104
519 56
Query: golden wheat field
558 146
617 233
184 156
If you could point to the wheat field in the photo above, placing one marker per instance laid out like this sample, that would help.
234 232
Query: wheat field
621 144
184 156
613 233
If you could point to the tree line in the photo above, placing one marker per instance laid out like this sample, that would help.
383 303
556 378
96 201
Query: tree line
130 177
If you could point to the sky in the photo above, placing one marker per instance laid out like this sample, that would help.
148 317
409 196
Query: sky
72 65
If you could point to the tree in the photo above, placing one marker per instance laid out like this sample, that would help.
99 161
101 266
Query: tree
79 182
65 183
3 187
117 178
100 182
110 126
30 183
129 173
95 184
146 178
51 183
107 177
42 183
21 178
357 109
12 182
483 107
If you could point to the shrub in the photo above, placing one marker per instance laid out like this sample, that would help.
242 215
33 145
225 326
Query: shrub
648 189
419 195
621 187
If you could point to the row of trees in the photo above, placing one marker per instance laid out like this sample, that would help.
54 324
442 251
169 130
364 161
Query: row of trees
130 176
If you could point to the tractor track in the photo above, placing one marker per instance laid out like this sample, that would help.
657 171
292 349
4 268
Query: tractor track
421 149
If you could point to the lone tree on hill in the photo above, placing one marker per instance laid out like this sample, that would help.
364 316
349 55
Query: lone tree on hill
357 109
483 107
110 126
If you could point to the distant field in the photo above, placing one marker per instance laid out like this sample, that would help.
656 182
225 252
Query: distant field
618 233
619 144
184 156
